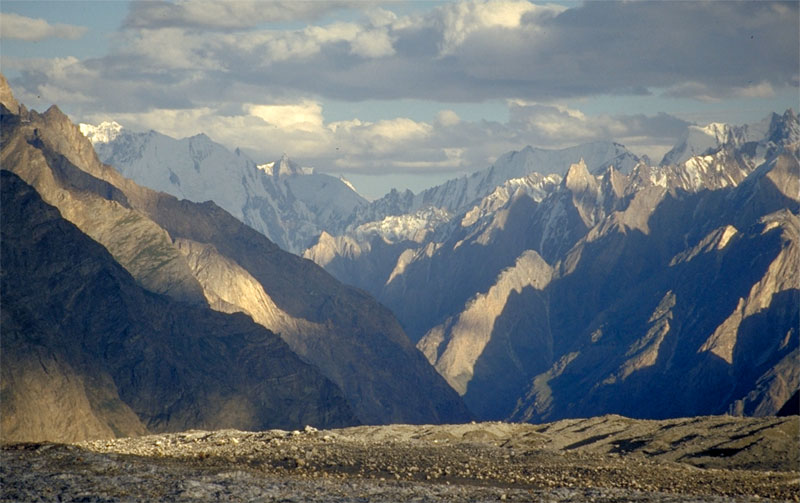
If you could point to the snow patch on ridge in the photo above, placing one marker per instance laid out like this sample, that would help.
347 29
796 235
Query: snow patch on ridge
105 132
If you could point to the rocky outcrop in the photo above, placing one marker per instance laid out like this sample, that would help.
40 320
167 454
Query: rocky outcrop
88 353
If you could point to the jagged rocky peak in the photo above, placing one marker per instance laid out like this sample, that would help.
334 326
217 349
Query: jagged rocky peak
613 182
284 167
785 130
7 97
775 129
579 179
198 251
697 140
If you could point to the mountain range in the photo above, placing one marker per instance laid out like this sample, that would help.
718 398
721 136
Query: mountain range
607 288
165 311
552 284
287 203
582 281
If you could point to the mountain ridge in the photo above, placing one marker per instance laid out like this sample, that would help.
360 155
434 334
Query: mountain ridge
124 361
155 237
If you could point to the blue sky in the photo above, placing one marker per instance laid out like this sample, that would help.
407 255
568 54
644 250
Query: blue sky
405 94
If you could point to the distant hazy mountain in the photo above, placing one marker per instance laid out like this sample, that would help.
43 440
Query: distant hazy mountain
768 135
199 255
504 295
532 169
289 204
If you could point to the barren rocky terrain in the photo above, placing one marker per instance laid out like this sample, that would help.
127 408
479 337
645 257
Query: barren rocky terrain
609 458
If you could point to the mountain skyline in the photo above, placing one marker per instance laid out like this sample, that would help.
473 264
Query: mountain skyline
537 228
536 221
195 259
456 250
406 95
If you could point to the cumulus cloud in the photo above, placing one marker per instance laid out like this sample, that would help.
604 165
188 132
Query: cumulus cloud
459 20
448 144
14 26
447 118
305 116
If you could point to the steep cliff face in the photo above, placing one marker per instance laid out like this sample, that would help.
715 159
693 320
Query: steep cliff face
88 353
200 254
699 312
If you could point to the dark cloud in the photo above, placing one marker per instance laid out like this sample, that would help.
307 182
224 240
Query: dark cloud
456 52
623 48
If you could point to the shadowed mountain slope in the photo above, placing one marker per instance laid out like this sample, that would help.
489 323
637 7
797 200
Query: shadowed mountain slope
199 254
89 353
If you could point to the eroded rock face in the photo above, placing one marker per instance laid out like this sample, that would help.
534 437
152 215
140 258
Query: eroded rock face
88 353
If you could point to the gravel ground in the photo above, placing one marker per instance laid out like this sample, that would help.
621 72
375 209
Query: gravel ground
600 459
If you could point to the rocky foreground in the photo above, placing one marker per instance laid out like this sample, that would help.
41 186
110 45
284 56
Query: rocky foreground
609 458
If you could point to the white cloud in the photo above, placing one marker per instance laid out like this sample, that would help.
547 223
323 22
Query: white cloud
402 145
364 42
498 49
173 49
400 129
447 118
180 69
704 92
461 19
372 44
305 116
14 26
381 17
334 32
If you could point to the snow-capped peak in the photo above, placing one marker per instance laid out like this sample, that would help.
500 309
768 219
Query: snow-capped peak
703 140
717 130
105 132
348 183
697 140
285 167
266 167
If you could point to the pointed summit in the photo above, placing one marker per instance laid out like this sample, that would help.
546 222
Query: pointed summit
578 178
286 167
7 97
613 182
